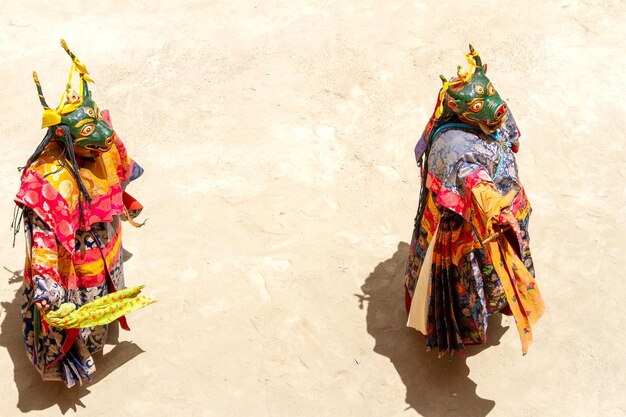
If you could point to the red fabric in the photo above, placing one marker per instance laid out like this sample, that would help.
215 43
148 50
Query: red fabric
71 336
407 300
130 203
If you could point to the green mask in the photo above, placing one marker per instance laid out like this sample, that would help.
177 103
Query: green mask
88 128
474 99
78 112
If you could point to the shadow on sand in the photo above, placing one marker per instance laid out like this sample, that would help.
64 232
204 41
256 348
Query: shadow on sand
34 394
434 387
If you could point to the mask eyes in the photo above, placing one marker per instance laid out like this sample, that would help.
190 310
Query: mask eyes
90 112
479 89
491 90
476 107
87 130
97 110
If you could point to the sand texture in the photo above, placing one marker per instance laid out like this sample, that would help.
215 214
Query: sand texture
281 189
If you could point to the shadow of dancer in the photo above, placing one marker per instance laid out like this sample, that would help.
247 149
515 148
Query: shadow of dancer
34 394
434 387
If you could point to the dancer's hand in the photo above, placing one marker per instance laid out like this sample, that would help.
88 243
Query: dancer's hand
42 305
507 218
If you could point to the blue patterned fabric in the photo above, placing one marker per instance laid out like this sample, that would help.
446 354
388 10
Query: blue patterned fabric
457 153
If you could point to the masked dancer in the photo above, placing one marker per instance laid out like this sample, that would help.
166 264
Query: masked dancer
470 254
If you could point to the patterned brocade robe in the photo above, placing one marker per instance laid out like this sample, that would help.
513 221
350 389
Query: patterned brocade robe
69 259
453 282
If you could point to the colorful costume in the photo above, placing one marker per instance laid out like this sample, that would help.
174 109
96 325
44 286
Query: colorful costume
463 265
72 197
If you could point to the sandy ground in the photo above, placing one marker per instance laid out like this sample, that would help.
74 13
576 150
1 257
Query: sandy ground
280 188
